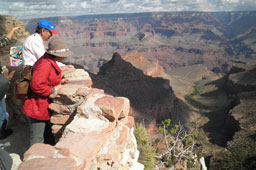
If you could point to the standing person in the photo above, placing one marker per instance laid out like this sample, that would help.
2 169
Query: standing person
4 85
33 47
45 75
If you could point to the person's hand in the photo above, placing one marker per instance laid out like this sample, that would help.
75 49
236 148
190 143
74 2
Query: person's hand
10 34
66 67
58 87
64 81
16 28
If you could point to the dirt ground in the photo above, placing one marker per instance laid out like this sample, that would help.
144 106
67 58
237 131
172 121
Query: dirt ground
19 139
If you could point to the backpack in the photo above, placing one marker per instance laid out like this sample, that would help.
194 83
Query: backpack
4 85
22 84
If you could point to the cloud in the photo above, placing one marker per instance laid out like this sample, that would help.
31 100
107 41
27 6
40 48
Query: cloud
17 5
84 4
128 5
43 8
231 1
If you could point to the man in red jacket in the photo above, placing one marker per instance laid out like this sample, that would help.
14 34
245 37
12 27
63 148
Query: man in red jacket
45 76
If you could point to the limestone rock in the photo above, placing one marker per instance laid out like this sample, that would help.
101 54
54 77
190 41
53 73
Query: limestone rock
88 109
16 161
82 125
77 74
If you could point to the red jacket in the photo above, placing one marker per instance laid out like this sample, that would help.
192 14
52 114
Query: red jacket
46 74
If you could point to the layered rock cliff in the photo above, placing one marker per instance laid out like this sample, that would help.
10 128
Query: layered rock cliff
175 39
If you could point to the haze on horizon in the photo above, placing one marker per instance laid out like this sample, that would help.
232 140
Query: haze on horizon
26 9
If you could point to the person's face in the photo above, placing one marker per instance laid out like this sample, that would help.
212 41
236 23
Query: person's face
46 34
59 58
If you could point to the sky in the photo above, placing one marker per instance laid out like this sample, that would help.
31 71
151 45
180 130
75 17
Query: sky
27 9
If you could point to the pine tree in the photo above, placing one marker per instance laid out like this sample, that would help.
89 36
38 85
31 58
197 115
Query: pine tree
147 153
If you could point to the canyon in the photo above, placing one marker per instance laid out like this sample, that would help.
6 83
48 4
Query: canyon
193 67
174 39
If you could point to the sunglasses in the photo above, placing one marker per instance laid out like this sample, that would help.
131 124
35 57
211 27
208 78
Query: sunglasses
48 31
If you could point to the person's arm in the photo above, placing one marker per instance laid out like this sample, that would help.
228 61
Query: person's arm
10 34
39 82
6 40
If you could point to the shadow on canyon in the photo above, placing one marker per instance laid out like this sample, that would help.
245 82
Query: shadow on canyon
221 126
153 99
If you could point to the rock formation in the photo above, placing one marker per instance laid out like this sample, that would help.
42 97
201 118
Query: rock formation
152 98
92 130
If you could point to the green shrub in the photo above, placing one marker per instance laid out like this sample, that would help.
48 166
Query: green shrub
195 92
147 156
147 153
141 134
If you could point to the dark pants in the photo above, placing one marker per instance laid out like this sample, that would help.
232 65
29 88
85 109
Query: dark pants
40 132
5 160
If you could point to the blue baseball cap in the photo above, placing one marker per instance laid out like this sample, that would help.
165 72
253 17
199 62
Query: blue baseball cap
47 25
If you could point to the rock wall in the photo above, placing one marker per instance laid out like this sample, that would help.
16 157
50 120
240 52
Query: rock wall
92 130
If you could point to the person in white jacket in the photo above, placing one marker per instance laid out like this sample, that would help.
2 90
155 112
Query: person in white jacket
34 46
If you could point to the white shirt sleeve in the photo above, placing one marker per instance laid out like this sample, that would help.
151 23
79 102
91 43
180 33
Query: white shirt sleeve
60 64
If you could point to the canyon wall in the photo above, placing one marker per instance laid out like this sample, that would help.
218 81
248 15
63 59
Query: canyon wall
174 39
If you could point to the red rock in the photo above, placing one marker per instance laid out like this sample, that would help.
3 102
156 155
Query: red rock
64 152
96 91
126 108
130 122
82 92
58 108
153 69
110 106
40 149
59 120
86 83
83 146
48 164
152 128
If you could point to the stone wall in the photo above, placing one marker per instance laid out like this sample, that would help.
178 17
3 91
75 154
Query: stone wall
92 130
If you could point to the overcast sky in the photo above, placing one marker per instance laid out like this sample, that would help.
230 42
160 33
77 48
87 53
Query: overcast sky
24 9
